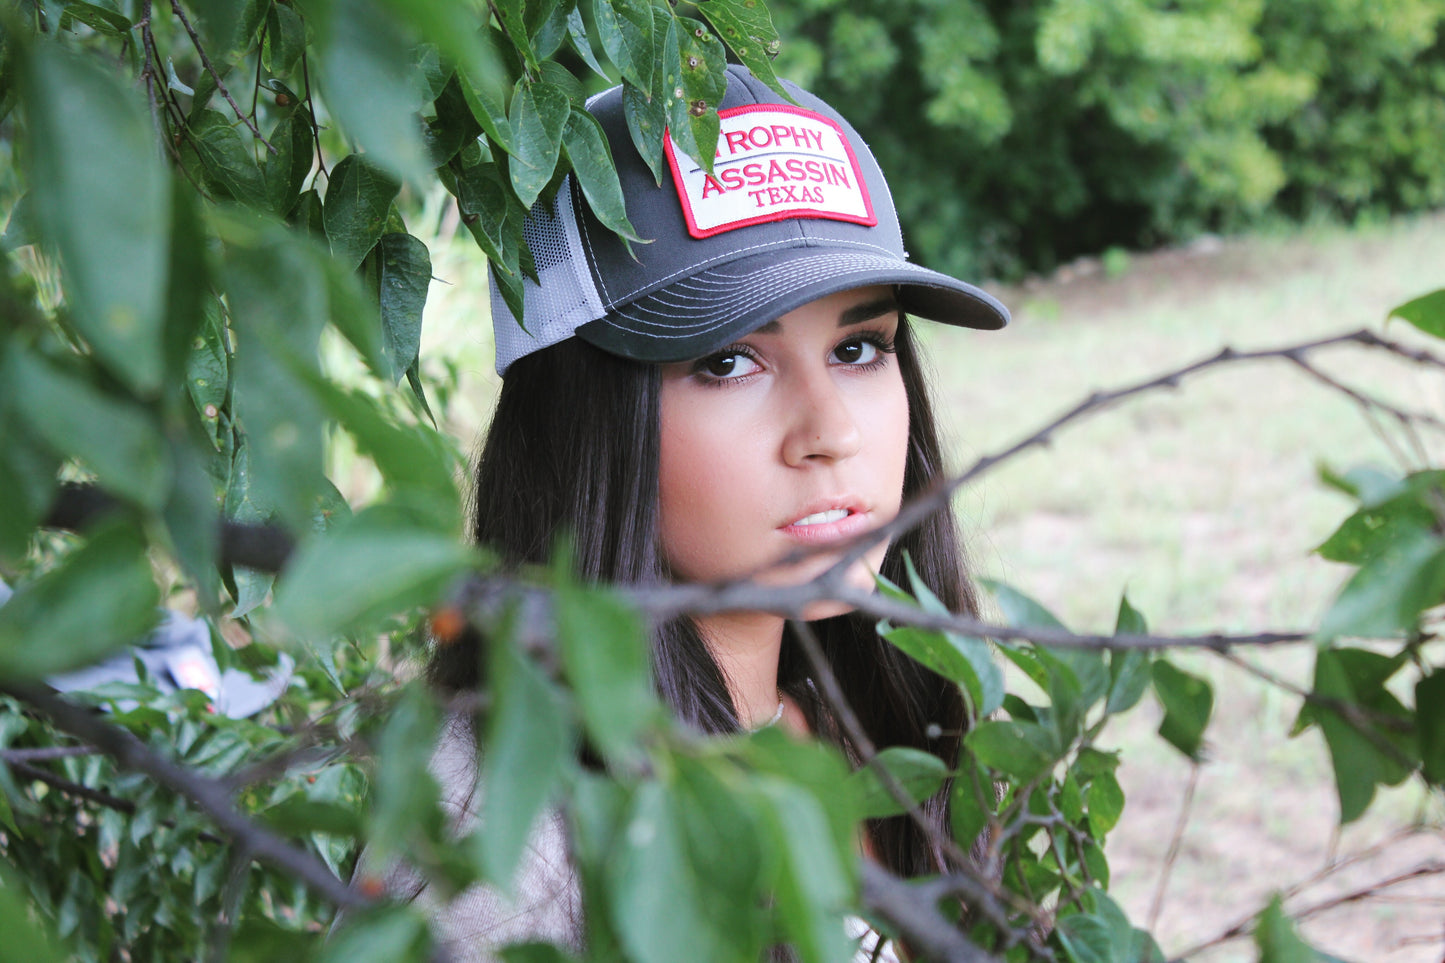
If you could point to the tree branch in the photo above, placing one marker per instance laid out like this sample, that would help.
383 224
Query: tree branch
912 913
215 75
208 795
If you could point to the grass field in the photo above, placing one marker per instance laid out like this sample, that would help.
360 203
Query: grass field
1204 505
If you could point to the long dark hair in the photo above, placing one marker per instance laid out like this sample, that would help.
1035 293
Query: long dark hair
573 449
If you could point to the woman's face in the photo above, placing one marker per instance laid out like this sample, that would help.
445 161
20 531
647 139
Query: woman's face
796 435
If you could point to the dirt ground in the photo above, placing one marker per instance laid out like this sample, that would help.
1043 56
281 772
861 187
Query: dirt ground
1263 813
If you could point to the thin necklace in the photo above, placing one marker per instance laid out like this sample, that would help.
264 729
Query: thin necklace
775 717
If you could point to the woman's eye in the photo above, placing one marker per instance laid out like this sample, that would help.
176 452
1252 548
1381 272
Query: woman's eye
856 351
731 364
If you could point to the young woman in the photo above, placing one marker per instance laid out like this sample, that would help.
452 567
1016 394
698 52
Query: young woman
700 408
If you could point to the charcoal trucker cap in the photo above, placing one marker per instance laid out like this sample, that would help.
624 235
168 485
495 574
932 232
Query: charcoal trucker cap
796 209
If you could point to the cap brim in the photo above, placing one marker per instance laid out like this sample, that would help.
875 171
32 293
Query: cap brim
708 310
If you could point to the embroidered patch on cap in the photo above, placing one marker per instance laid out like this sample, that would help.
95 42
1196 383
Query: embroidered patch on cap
774 161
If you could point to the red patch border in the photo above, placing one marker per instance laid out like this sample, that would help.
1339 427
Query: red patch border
812 213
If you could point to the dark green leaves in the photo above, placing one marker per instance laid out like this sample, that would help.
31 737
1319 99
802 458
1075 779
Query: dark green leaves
1426 313
405 275
100 597
1430 718
358 200
586 149
625 27
100 198
748 30
537 118
1188 701
694 79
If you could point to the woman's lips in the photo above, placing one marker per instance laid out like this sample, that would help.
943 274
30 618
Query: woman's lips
827 524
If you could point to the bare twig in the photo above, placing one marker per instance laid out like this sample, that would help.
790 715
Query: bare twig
914 912
208 795
46 753
1172 855
1245 926
97 796
216 76
311 112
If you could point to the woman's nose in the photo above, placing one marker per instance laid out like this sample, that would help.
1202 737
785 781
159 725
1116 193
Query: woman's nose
821 425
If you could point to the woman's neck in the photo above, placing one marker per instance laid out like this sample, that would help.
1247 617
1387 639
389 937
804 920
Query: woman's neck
746 646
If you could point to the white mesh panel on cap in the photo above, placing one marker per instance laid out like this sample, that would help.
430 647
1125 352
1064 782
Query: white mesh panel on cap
567 297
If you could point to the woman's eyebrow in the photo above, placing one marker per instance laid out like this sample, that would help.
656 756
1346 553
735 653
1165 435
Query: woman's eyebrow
867 312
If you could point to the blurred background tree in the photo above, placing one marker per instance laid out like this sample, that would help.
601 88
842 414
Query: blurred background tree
1019 136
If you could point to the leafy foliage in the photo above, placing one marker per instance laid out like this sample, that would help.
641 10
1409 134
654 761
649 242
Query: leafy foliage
206 192
1020 136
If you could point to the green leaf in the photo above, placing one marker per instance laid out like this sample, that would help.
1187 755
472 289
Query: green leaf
1106 803
1076 678
547 26
528 744
404 798
814 877
1386 596
381 935
653 891
102 596
358 199
285 171
190 515
28 481
646 121
297 816
115 438
724 846
405 278
1023 750
747 29
1430 721
227 159
27 937
625 28
100 197
586 148
367 70
1188 701
243 505
509 14
919 773
1426 313
1276 940
285 38
1394 507
486 96
579 41
373 565
694 74
278 307
415 460
98 18
207 369
969 809
1359 763
605 655
1128 669
537 118
493 215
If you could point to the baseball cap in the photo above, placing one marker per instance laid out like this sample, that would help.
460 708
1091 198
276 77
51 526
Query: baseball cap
796 208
